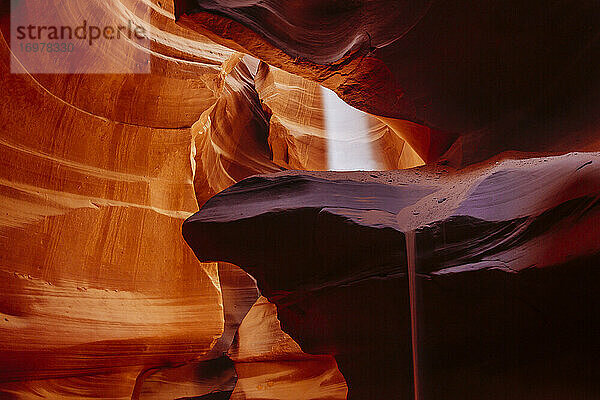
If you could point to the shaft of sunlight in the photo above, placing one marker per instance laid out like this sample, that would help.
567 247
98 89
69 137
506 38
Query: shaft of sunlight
349 147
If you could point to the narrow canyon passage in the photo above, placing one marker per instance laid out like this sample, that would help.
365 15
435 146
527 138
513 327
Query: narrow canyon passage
299 200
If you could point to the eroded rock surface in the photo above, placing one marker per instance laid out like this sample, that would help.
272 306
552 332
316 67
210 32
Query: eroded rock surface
515 75
505 271
101 297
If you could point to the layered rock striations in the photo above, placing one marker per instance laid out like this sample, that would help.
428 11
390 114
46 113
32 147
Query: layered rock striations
93 196
470 283
510 76
504 265
101 297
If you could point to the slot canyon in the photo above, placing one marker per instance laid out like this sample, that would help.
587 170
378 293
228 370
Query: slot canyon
300 200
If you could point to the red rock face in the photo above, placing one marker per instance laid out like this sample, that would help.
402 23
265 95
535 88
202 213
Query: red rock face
101 297
503 76
429 277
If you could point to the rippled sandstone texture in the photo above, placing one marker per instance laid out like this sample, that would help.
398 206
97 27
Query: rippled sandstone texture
95 276
101 297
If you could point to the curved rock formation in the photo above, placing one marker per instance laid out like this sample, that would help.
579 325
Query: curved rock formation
302 380
271 365
83 254
506 76
498 271
100 292
259 337
230 138
470 283
299 135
